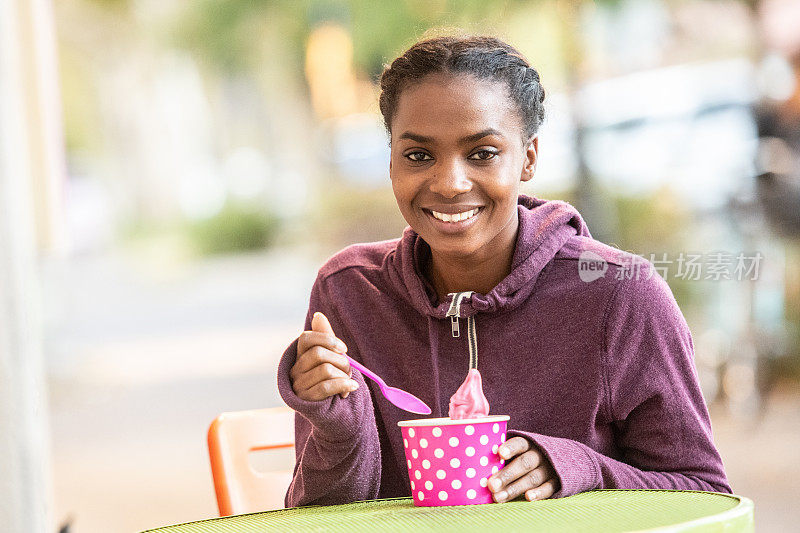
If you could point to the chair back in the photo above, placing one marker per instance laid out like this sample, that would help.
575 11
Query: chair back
231 438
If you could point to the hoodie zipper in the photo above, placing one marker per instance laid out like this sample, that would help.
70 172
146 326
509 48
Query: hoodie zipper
472 335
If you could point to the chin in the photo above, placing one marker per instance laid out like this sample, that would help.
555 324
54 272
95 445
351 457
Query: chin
454 249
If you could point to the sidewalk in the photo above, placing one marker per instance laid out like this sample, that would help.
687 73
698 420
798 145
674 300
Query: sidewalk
762 459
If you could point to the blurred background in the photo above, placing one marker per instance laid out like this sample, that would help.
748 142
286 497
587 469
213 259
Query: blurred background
174 172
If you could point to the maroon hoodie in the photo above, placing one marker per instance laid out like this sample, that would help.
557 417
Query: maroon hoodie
598 373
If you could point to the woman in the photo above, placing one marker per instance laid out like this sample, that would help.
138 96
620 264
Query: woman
596 371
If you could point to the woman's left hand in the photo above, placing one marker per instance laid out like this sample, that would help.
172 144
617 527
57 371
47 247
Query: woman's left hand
530 473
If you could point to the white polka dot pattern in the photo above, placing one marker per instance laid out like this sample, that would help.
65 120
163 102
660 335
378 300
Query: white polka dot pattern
450 463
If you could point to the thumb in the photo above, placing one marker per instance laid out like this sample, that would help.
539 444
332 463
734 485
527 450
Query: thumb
319 322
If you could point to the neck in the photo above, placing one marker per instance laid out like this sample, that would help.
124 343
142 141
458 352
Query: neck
448 275
479 272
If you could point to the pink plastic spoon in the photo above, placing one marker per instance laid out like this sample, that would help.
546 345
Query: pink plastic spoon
402 399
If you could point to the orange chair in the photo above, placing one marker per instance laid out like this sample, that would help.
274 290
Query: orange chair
231 439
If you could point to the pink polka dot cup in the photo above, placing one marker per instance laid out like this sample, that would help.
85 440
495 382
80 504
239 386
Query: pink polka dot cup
449 461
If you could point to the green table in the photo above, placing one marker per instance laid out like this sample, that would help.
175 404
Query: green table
600 510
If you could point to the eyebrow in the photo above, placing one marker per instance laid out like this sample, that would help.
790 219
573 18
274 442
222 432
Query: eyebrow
464 140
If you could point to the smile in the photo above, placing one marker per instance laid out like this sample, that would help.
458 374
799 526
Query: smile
455 217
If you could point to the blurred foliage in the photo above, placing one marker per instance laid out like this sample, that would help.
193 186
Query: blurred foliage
381 34
654 223
651 223
234 229
223 31
347 213
113 4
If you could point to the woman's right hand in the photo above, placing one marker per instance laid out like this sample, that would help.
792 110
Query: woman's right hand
321 370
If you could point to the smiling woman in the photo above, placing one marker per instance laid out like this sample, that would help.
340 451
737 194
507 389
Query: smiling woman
597 376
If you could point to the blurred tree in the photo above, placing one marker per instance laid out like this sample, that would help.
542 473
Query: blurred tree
221 30
222 33
234 229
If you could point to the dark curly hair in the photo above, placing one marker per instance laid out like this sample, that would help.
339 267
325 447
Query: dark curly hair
481 56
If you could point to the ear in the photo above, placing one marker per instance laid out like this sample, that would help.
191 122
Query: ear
531 154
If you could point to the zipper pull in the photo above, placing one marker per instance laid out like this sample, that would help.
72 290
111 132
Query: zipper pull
455 311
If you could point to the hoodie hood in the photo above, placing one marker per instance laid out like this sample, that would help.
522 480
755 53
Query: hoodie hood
545 226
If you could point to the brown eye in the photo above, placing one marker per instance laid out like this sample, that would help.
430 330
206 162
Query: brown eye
418 156
483 155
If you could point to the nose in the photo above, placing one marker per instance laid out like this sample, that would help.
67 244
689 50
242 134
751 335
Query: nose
450 180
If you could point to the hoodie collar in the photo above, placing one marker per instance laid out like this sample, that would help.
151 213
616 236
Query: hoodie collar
545 226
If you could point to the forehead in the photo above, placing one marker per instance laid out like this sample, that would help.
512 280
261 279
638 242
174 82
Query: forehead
446 106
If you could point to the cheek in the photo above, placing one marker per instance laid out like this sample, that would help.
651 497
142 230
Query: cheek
399 190
405 186
402 196
503 188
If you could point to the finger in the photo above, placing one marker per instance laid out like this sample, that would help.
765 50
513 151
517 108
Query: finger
316 356
513 447
517 468
329 387
543 491
526 482
319 322
319 373
309 339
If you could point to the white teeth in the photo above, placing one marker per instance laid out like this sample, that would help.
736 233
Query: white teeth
456 217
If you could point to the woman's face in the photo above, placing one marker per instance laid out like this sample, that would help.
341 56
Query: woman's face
457 160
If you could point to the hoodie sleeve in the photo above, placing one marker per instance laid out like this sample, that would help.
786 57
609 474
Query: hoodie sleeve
337 448
661 424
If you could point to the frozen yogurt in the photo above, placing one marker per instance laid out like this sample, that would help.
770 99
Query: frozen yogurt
469 401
